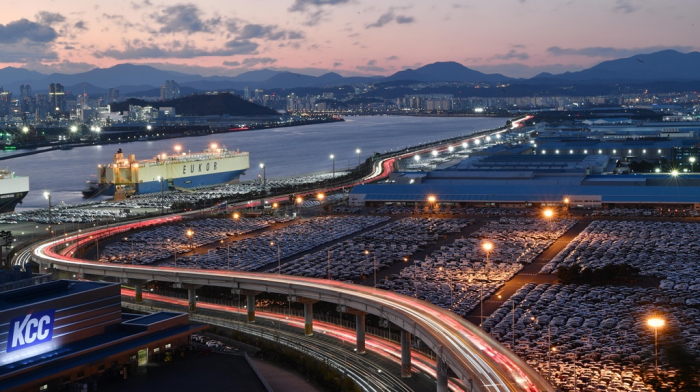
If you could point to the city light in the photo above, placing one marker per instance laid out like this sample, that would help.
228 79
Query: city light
450 149
656 322
416 157
435 153
487 246
548 213
178 148
262 165
465 144
213 146
320 196
432 199
74 129
299 200
674 173
236 215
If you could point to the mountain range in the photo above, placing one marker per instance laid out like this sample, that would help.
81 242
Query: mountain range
145 81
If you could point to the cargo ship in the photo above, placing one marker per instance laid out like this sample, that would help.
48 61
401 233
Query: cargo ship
126 176
12 190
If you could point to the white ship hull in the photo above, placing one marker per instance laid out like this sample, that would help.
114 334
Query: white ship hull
187 171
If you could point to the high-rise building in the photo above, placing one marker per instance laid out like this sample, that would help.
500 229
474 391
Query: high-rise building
113 95
25 98
246 93
170 90
57 97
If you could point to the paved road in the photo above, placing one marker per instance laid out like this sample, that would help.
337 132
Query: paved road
529 274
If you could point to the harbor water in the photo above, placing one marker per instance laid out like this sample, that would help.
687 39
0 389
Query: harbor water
285 151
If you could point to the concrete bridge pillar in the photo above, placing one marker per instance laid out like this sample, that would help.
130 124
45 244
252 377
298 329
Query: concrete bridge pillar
441 370
360 323
405 354
192 298
250 306
308 313
138 292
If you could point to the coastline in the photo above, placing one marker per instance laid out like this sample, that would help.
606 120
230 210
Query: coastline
180 134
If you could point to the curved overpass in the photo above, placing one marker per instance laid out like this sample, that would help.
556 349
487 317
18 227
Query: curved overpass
468 351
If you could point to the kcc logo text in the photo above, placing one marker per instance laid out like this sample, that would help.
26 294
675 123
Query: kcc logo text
30 330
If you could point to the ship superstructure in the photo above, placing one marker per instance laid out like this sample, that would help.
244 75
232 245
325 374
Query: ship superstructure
13 189
185 170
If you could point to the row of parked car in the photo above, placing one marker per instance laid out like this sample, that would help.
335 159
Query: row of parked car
355 258
149 246
270 247
666 250
458 276
600 335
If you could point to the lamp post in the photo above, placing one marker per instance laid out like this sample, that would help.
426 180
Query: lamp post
279 258
299 201
320 198
160 179
656 323
359 163
432 200
333 159
548 214
692 164
487 246
263 190
47 195
190 233
375 266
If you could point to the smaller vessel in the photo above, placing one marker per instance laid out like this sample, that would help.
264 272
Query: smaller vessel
13 189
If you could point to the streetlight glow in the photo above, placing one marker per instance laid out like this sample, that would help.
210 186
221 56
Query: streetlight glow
432 199
320 196
656 322
74 129
178 148
487 246
416 157
262 165
548 213
674 173
214 146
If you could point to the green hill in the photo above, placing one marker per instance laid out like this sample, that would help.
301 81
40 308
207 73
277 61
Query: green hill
202 105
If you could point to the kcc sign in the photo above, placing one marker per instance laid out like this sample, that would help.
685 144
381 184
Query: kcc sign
30 330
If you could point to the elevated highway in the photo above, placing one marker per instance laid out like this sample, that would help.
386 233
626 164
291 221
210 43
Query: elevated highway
478 361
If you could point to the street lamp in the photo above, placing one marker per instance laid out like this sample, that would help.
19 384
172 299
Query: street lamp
656 323
279 258
333 159
375 266
160 179
692 163
299 201
190 233
25 129
47 195
487 246
320 198
358 151
674 173
74 129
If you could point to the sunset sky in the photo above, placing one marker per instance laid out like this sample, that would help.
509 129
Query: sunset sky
518 38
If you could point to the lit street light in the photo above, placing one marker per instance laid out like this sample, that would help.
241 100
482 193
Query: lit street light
358 152
279 258
47 195
487 246
656 323
74 129
375 266
333 159
674 173
692 164
190 233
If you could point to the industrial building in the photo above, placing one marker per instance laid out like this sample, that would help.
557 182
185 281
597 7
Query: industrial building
506 180
70 333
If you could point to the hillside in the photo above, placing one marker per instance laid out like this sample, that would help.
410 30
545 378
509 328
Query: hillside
203 105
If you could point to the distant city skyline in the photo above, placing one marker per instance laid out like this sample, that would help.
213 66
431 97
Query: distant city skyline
518 38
